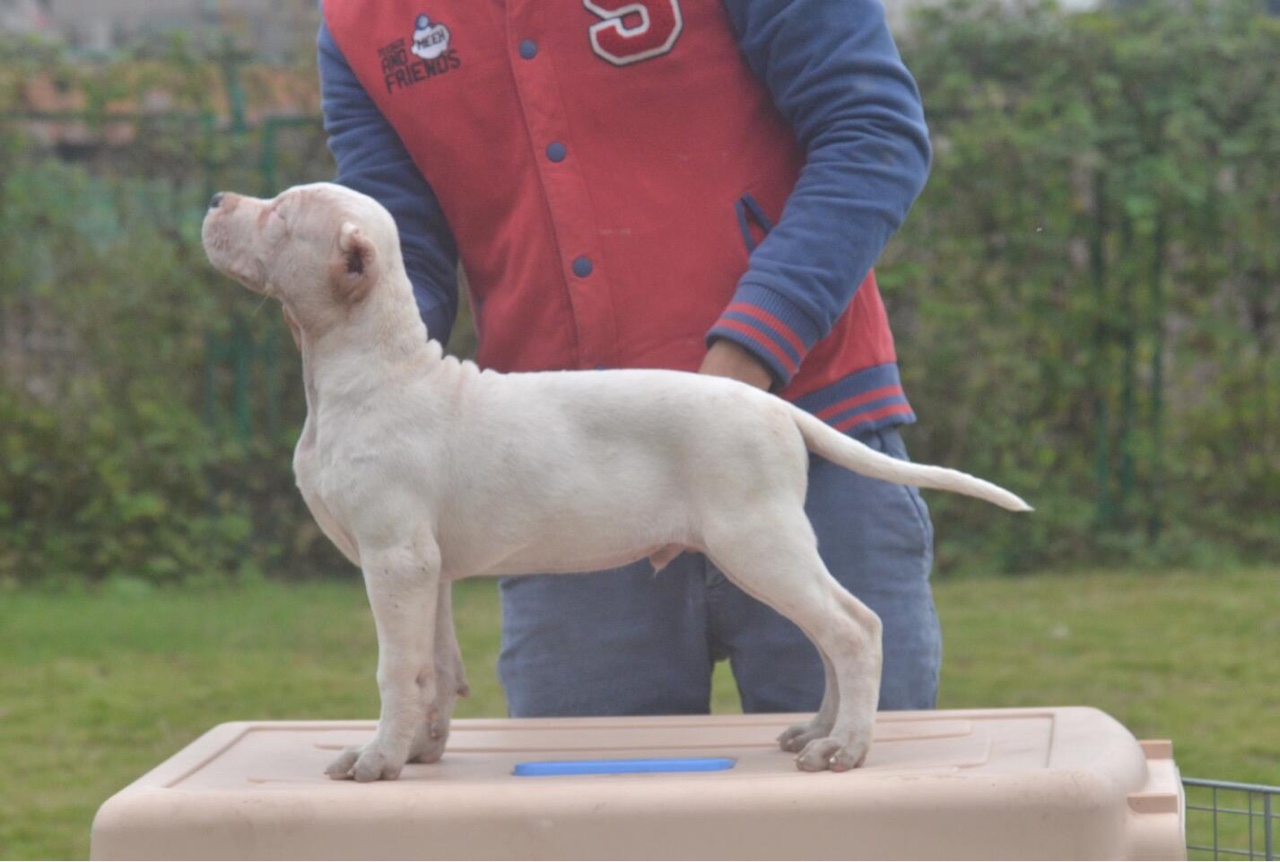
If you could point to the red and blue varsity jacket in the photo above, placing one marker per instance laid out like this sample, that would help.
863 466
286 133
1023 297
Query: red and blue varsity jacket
628 180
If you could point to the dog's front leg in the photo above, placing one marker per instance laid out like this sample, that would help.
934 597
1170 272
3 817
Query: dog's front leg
451 683
404 590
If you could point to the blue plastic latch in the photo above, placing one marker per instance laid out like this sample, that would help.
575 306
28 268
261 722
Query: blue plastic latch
624 767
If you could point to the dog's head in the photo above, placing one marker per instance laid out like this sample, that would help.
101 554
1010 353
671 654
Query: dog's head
320 249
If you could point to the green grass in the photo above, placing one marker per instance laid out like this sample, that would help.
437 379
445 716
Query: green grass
97 687
1195 658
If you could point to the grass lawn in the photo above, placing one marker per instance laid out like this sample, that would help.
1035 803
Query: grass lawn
97 687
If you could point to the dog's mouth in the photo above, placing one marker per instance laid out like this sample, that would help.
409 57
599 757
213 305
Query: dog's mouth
253 277
249 273
222 253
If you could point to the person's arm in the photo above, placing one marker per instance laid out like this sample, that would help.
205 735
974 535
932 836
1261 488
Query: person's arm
835 74
372 159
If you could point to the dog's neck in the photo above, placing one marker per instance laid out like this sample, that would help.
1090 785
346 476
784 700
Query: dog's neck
381 332
345 364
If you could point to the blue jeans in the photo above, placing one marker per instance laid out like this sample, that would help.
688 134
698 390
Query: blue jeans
627 642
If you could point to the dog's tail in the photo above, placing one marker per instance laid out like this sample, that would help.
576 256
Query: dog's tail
824 440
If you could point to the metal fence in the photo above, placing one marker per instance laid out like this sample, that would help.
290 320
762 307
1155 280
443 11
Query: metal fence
1227 820
163 167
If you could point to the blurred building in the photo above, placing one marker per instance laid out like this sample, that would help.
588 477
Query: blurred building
898 12
266 28
27 17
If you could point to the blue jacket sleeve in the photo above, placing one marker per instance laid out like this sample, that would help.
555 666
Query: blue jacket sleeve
834 72
372 159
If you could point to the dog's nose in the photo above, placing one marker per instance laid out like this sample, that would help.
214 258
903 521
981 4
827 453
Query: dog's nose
216 201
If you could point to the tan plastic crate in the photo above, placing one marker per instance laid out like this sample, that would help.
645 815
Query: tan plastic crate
1067 783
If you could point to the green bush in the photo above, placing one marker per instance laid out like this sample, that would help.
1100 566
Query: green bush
1087 293
121 453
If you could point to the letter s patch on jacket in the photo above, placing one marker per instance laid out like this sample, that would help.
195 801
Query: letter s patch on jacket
634 30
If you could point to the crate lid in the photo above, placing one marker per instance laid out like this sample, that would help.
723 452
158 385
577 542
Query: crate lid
1032 783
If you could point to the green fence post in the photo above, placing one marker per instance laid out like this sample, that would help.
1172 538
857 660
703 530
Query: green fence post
1102 455
271 369
211 357
1128 373
267 157
1156 497
235 88
208 129
242 356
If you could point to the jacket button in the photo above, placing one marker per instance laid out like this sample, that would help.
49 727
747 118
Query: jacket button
557 151
582 267
528 49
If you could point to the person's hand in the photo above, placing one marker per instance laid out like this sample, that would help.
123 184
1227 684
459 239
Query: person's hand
727 359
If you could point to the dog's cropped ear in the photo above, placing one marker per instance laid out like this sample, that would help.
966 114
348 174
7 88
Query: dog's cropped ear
353 274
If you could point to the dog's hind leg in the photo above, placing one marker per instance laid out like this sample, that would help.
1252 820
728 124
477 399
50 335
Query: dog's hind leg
796 737
403 585
839 737
775 559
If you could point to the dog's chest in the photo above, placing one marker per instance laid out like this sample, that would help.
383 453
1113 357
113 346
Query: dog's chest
305 457
305 468
322 476
344 478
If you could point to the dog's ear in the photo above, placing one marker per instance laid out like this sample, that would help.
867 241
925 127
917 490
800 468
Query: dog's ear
353 270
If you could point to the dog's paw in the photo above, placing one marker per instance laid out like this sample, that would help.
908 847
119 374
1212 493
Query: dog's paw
365 764
830 753
797 736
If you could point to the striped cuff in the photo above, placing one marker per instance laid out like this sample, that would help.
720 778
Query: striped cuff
864 401
774 330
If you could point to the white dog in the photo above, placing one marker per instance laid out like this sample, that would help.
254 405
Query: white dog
423 470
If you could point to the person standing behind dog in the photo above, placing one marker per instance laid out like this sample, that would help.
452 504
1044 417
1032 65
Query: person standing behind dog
701 185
